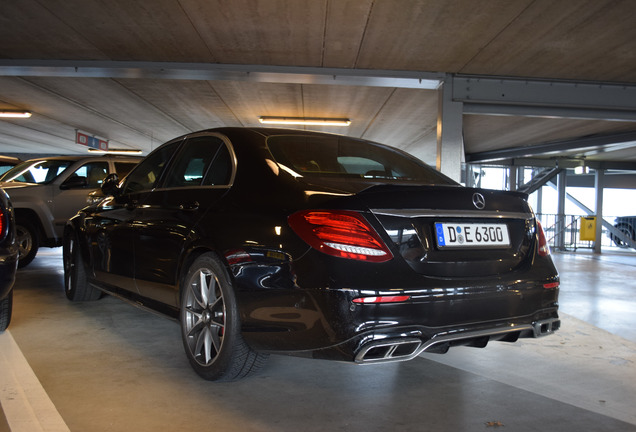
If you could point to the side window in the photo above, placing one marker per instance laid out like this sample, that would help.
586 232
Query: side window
5 168
220 170
123 168
95 172
42 172
145 175
197 162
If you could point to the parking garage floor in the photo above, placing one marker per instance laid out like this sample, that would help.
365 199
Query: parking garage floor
107 366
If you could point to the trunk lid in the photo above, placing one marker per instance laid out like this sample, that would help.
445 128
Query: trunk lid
455 232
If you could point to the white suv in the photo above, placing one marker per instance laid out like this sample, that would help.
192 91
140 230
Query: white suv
46 192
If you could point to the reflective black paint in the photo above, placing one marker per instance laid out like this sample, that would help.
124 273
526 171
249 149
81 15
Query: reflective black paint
297 300
9 251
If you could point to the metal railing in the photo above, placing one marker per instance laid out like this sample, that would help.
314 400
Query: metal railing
571 232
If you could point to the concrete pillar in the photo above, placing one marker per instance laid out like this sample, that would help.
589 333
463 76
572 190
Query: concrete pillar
450 141
599 184
512 178
468 175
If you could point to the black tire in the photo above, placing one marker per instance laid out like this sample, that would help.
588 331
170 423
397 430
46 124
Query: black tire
28 239
628 231
76 286
6 307
210 324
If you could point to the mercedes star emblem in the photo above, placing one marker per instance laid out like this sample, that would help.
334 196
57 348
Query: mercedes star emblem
479 201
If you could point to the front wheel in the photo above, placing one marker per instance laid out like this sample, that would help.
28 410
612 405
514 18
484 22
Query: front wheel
210 325
76 286
28 241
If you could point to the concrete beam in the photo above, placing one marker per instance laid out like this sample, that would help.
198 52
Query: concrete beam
599 142
544 93
214 71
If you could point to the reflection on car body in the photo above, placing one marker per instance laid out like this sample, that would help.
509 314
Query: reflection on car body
8 259
281 241
46 192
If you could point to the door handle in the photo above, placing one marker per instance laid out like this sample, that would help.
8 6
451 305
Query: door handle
191 206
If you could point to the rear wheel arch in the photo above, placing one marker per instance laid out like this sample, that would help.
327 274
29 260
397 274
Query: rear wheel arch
31 216
30 235
192 253
210 320
186 263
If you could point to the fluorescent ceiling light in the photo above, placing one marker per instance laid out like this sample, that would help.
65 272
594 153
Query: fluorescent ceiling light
305 121
14 114
582 169
115 151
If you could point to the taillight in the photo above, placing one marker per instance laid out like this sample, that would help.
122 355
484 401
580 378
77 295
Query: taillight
340 233
1 224
544 249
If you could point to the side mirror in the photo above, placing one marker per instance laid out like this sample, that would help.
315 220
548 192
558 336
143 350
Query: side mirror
109 185
74 182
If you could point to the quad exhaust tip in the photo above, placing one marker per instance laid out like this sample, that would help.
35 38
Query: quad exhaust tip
407 348
546 327
390 350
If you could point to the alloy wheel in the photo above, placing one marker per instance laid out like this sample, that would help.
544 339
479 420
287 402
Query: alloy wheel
69 263
24 240
204 318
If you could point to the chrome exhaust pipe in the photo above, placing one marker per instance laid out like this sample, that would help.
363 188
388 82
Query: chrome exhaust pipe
407 348
390 350
546 327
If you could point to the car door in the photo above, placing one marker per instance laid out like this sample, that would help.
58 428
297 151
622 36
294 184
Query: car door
111 229
194 184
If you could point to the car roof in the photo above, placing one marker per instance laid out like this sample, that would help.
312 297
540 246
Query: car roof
266 132
81 158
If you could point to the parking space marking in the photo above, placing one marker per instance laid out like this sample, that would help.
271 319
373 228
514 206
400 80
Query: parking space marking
25 403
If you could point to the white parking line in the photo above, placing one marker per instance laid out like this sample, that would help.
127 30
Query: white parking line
26 405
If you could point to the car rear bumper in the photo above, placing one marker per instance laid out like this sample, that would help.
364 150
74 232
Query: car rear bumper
402 344
321 310
405 348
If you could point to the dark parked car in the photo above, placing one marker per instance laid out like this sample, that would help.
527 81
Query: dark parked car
281 241
8 259
626 225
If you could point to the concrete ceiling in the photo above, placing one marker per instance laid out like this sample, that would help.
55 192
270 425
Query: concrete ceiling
575 41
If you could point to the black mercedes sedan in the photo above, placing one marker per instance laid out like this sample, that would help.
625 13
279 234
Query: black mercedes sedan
8 259
263 241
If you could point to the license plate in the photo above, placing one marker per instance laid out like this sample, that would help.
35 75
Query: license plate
466 235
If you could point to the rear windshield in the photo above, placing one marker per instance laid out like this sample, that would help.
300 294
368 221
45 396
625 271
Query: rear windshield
44 171
337 156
